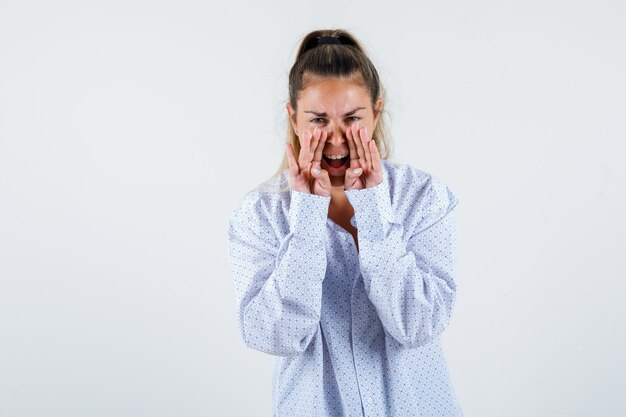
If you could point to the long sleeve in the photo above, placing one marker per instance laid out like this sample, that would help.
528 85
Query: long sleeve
408 274
278 279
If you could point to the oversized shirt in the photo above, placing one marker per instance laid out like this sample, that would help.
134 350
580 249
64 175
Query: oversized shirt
355 332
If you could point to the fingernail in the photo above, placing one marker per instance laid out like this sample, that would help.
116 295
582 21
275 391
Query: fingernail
316 171
357 171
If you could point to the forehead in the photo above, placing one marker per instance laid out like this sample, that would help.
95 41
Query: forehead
333 95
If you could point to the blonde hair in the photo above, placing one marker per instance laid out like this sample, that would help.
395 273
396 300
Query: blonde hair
345 58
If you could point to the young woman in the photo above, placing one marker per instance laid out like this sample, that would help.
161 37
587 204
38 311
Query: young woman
344 261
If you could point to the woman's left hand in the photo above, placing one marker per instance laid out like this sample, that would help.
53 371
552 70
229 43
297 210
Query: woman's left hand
364 155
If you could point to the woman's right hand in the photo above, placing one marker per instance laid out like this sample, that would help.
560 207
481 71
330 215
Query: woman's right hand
306 174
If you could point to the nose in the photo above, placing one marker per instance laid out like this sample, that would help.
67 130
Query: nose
335 135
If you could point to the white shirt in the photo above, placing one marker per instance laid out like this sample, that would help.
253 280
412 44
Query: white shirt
356 333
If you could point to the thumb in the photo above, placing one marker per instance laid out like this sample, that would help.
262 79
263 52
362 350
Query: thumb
323 178
351 178
352 174
321 175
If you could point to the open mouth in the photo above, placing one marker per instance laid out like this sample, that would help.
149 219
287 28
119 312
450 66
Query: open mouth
336 161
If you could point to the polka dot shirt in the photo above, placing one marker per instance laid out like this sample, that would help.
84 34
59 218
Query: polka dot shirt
355 331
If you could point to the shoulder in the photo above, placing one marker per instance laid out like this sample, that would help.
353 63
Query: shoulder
277 184
265 204
417 193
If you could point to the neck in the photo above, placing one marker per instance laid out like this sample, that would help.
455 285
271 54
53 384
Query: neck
340 209
336 190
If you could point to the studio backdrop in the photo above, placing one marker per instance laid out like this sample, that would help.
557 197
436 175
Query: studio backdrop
129 131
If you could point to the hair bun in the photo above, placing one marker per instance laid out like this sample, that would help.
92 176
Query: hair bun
323 40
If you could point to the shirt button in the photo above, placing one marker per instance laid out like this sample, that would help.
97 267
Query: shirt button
370 400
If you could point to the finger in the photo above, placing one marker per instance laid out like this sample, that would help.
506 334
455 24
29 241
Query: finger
351 177
291 160
305 149
323 186
315 168
354 156
315 138
377 164
324 180
354 163
359 145
319 150
348 184
354 179
366 148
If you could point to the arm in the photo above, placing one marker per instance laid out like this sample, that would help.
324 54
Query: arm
278 283
410 283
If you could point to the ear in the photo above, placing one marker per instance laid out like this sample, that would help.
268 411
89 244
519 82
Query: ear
378 109
291 113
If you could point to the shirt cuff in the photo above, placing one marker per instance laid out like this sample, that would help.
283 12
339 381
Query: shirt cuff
308 213
372 210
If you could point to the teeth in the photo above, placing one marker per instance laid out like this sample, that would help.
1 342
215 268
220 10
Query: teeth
335 156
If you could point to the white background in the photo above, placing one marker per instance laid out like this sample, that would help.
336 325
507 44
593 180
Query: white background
129 130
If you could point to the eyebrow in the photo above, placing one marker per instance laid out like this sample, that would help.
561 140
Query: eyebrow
324 114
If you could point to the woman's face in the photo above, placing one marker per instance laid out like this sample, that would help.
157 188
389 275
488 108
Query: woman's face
334 104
